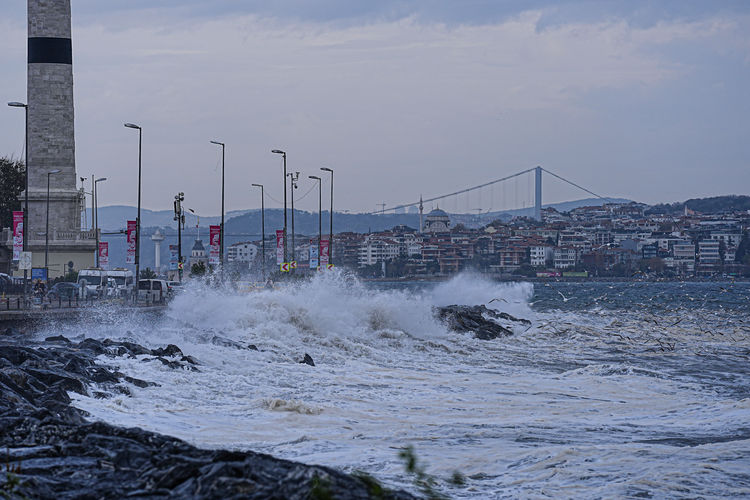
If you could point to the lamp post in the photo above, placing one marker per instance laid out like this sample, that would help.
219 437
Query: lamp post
320 211
197 223
138 216
46 230
283 154
15 104
263 231
221 228
95 195
330 237
293 176
179 216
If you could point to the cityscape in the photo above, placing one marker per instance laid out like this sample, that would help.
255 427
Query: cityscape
395 250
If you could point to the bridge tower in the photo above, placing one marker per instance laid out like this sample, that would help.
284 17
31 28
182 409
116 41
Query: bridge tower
538 194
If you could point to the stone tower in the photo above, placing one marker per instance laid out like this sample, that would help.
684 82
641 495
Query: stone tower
51 140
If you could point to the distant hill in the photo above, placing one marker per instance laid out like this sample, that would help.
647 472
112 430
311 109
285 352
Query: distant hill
712 205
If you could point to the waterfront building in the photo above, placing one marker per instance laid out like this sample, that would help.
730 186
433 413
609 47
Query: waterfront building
437 221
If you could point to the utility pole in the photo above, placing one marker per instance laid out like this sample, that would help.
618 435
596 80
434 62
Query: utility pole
293 176
283 154
179 216
262 230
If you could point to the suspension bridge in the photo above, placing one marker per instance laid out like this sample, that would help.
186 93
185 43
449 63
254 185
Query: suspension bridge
536 172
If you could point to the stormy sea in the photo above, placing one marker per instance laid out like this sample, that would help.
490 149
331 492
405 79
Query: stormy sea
621 389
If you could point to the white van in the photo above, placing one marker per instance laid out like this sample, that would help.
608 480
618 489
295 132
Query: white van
92 282
152 291
124 281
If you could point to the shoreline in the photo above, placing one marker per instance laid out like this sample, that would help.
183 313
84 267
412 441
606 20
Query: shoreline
53 451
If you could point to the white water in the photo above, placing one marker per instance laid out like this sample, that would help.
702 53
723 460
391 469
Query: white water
535 414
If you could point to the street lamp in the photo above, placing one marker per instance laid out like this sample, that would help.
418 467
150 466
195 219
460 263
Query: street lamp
330 237
197 223
293 176
262 230
16 104
283 154
179 216
46 230
138 216
320 211
95 195
221 230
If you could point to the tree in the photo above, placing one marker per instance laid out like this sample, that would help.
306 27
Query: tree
198 269
12 182
743 249
148 274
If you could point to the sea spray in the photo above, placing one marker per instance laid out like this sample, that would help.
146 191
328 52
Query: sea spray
568 404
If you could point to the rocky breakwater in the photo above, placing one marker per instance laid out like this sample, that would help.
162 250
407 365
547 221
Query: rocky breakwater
51 450
484 323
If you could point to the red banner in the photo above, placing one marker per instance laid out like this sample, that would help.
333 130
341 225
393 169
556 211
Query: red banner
130 258
323 253
17 235
104 255
214 240
279 246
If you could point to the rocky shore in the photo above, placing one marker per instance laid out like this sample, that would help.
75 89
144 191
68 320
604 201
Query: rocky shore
50 449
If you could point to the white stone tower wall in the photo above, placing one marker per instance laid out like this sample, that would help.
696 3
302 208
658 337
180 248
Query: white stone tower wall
51 120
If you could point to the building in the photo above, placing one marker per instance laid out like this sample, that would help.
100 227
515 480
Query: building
198 255
244 253
540 255
437 221
683 257
565 257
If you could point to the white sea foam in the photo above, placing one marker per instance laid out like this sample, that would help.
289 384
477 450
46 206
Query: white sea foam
562 405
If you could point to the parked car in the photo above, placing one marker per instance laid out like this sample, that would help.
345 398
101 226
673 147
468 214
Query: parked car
63 290
152 291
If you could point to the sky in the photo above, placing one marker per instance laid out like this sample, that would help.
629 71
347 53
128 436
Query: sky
634 99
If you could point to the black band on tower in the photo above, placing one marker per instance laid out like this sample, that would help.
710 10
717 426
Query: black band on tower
50 50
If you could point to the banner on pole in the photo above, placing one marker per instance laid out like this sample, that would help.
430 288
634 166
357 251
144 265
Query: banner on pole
324 253
313 254
104 255
215 243
130 258
173 257
17 235
279 246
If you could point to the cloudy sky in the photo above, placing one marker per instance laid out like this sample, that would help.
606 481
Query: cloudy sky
636 99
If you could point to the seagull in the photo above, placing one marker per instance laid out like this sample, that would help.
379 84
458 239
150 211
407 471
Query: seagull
565 299
493 300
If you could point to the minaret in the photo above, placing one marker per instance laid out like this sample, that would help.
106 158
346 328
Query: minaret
51 139
421 211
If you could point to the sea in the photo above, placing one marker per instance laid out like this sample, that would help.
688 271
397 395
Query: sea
615 390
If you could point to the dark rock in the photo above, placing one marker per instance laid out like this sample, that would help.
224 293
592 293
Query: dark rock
171 351
478 320
57 338
190 359
55 453
252 347
224 342
308 360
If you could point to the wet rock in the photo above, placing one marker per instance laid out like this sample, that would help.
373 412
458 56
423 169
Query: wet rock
252 347
54 452
224 342
170 351
57 338
308 360
479 320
